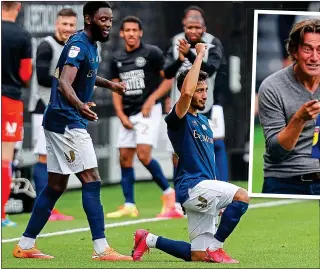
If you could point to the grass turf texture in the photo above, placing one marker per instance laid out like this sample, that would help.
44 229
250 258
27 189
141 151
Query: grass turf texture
284 236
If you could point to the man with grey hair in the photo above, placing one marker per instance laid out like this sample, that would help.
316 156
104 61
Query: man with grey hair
288 105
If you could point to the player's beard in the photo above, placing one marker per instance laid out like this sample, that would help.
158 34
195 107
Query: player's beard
97 34
197 106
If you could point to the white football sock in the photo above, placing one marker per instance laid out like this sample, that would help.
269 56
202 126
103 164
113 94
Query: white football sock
100 245
26 242
167 191
215 244
129 204
151 240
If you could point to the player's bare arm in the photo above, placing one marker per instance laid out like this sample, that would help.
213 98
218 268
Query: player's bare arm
118 107
66 79
116 87
190 83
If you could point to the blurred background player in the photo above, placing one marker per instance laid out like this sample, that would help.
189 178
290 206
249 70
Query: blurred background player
16 71
47 57
201 195
140 66
180 56
69 146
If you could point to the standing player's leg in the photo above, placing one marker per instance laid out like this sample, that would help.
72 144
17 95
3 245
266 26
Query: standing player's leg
40 173
57 184
127 183
83 156
127 148
6 174
11 132
147 133
59 170
91 185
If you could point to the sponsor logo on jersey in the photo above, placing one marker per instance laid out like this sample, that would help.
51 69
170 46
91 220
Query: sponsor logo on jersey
92 73
202 137
11 128
140 62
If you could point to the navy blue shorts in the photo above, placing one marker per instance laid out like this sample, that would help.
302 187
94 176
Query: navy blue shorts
290 186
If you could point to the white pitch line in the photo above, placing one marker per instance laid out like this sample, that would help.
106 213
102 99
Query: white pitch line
132 222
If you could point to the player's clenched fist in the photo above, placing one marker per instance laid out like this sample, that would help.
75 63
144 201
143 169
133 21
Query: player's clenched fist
201 48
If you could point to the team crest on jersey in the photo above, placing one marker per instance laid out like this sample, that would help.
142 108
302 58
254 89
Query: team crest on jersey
316 136
204 127
140 62
74 51
119 64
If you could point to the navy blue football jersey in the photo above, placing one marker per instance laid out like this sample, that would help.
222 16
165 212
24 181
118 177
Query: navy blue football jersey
82 53
192 140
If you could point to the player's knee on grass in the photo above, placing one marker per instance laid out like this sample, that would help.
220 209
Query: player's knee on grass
89 175
144 154
241 195
58 182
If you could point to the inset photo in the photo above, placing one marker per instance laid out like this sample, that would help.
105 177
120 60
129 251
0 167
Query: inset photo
285 120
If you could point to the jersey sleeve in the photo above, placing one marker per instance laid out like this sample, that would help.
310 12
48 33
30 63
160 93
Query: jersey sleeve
76 54
157 58
172 120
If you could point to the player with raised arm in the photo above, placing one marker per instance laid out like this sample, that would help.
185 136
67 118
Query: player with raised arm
69 146
201 195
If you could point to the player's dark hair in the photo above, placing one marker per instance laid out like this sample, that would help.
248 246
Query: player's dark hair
67 12
181 77
90 8
194 8
7 5
131 19
296 36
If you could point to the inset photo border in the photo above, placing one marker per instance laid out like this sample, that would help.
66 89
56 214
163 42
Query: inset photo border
271 30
